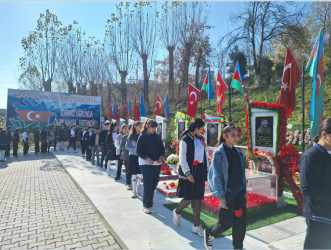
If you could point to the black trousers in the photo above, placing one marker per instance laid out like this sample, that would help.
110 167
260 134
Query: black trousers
228 219
36 147
72 142
50 144
318 235
83 147
25 147
151 176
43 146
7 152
88 153
104 156
119 170
15 149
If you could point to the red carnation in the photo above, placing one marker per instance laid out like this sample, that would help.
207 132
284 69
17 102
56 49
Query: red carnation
167 187
195 163
238 213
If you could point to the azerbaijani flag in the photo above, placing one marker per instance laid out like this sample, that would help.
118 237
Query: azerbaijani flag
166 109
315 67
142 106
113 115
238 82
207 87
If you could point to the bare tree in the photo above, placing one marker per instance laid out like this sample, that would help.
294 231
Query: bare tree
94 65
259 23
191 22
144 37
41 48
119 43
169 30
70 56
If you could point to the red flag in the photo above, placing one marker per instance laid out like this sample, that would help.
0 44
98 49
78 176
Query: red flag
136 111
111 113
125 111
192 100
291 76
158 106
118 113
221 87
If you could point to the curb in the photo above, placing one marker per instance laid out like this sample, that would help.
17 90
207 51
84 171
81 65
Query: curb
118 240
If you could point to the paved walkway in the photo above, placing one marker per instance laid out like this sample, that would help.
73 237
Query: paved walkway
135 230
40 207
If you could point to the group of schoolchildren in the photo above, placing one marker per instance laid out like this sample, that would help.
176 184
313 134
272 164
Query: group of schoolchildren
141 150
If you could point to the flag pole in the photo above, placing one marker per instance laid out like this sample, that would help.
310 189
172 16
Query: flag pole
303 109
230 101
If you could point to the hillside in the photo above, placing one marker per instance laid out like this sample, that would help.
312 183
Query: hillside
263 93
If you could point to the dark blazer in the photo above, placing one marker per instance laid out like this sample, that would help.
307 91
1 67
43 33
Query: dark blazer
92 139
16 137
3 140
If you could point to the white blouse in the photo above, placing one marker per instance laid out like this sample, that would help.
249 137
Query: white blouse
198 154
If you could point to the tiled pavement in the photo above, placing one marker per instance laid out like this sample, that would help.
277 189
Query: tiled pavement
40 207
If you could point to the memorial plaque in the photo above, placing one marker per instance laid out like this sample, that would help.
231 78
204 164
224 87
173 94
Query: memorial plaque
212 134
159 129
264 131
180 128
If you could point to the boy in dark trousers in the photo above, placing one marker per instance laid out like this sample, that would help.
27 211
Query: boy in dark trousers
36 136
86 139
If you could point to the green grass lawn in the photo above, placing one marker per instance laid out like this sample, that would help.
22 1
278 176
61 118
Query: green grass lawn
255 218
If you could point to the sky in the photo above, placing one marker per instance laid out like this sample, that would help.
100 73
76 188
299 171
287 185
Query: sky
18 18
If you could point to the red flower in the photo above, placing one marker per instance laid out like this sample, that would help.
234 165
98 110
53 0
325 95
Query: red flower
172 184
195 163
256 149
167 187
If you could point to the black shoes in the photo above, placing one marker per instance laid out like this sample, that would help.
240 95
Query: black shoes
208 239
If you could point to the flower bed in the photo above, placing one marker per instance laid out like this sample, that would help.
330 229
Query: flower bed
168 188
254 201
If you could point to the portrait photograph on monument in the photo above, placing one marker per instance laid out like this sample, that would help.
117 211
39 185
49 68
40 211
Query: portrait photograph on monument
180 128
212 134
264 131
159 129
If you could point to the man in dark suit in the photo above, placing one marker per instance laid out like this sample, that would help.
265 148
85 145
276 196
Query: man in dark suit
36 136
86 139
102 142
83 145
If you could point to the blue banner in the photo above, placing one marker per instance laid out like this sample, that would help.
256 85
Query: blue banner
29 108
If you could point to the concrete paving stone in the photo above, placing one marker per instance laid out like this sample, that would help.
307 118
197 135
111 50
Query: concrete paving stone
100 245
78 239
89 242
37 244
74 246
63 243
294 243
15 245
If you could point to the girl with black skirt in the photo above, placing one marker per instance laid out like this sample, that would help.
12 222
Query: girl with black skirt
134 169
192 173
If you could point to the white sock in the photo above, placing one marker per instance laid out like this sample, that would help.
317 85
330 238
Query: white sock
140 177
134 183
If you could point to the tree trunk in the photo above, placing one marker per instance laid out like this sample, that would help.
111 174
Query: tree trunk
197 70
146 82
109 98
186 64
48 85
123 75
171 85
93 88
71 88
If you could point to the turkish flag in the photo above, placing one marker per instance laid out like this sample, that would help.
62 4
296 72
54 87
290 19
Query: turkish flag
221 87
291 76
136 111
158 106
34 115
125 111
192 100
118 113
